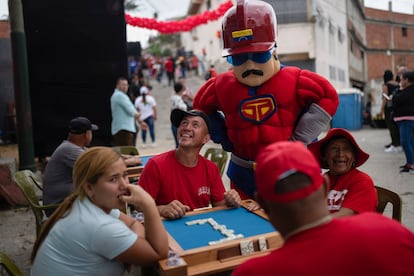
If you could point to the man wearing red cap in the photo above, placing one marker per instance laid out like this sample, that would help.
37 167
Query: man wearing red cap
292 192
262 100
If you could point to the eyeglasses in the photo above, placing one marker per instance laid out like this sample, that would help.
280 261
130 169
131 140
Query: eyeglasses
239 59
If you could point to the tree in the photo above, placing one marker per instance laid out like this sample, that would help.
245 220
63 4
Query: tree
130 5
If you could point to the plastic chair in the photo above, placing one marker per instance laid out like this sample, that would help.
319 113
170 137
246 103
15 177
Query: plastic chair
218 156
386 196
25 180
129 150
10 267
36 181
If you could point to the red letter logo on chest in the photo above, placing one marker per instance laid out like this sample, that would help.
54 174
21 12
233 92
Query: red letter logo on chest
258 109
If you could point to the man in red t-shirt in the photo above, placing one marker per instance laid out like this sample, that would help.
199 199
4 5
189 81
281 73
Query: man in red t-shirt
292 191
181 180
170 68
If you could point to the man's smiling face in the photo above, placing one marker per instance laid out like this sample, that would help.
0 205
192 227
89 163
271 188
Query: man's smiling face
193 130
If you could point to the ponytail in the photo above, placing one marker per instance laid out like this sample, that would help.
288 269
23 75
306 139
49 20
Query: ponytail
59 213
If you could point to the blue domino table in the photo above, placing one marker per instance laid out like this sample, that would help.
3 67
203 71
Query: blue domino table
198 256
135 172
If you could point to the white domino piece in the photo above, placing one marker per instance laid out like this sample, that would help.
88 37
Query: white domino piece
191 222
211 221
262 244
228 233
246 247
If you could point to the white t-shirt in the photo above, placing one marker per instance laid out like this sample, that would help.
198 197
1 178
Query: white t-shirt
84 243
178 102
146 109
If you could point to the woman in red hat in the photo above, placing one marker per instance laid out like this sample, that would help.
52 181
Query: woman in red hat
351 190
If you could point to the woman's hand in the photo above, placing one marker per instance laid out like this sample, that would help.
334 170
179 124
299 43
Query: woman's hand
138 197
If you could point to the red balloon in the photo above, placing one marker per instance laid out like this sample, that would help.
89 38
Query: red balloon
186 24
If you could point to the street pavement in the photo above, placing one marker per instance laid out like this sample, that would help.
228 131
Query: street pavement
17 225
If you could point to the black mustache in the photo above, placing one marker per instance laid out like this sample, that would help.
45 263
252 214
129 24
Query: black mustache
253 71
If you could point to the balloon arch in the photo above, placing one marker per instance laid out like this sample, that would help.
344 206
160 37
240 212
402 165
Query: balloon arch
187 24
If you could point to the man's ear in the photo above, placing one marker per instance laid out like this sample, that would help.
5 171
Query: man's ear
206 138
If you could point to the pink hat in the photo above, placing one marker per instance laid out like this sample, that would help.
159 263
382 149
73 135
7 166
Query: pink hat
318 148
280 160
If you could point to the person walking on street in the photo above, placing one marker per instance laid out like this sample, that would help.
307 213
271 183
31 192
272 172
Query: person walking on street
170 70
403 104
188 95
177 102
388 88
147 106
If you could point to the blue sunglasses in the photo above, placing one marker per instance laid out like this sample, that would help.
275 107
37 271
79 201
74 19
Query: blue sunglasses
261 57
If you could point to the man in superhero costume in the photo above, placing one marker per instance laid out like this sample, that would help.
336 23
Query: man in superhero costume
262 101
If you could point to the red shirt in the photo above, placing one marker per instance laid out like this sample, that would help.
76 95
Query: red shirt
169 66
165 179
365 244
354 190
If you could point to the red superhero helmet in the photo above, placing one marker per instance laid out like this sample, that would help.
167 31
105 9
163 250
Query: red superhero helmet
251 26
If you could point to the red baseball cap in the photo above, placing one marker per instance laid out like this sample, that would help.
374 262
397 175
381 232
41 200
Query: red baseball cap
280 160
318 148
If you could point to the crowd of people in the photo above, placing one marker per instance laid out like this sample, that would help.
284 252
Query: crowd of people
167 71
398 110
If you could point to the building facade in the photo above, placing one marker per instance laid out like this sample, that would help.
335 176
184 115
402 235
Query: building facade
321 25
390 41
389 45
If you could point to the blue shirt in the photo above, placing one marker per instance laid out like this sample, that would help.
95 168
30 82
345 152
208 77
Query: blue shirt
123 113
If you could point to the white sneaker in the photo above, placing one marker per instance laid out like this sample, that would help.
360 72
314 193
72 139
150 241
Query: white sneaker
154 145
391 149
144 146
398 149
